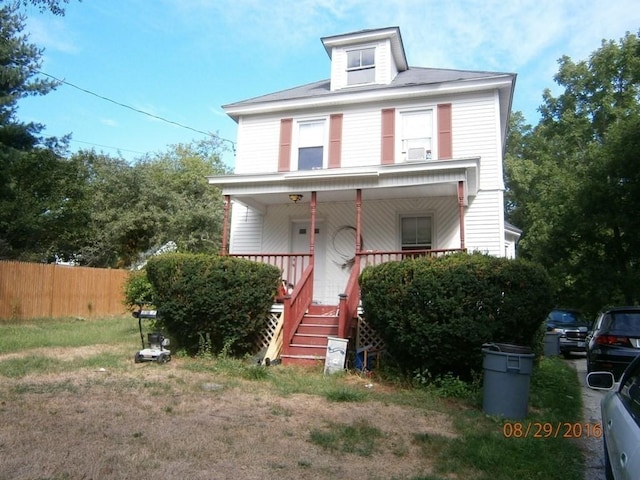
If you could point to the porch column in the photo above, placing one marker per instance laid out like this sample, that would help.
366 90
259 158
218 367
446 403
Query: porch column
312 236
461 211
358 220
225 223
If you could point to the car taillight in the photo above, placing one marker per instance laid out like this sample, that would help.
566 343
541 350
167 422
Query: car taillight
613 340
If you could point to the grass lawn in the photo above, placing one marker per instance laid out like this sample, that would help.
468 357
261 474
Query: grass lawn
73 404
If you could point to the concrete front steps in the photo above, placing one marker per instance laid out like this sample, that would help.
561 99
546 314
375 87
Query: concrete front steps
309 343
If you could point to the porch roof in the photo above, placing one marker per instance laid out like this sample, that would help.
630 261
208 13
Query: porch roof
405 180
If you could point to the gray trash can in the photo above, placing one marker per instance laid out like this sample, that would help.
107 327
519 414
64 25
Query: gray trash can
507 375
551 344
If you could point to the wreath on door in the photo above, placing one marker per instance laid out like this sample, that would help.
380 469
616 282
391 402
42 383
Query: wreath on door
346 235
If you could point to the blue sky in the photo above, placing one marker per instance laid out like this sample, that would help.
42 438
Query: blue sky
181 60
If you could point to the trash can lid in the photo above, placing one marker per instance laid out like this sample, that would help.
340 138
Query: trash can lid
507 348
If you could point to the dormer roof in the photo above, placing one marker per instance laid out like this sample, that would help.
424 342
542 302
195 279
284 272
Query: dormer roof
368 36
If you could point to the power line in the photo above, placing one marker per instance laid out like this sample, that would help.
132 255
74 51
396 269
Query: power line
137 110
107 146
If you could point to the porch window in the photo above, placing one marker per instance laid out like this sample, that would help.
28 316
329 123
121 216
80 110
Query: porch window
311 138
416 232
417 135
361 66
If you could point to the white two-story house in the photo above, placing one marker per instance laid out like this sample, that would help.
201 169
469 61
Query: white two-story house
378 162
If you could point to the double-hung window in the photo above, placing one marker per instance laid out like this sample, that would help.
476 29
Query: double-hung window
311 139
417 135
415 232
361 66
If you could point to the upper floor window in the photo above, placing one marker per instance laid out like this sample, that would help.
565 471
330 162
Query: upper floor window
415 232
311 140
361 66
417 135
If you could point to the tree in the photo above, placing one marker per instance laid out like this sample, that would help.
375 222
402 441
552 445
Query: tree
54 6
26 214
19 65
574 183
136 209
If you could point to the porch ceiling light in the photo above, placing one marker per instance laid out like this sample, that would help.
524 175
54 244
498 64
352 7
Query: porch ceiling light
294 197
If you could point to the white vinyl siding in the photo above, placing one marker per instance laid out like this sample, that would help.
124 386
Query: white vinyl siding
360 138
476 133
484 222
246 230
257 147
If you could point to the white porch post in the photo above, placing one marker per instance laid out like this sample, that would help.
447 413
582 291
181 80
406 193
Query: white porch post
225 224
312 235
358 220
461 202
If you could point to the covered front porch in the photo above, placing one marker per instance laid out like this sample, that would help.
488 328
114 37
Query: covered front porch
322 228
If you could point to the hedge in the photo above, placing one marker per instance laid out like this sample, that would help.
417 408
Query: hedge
221 300
434 314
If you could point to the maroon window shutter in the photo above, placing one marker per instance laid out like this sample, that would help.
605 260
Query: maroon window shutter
445 142
335 140
284 153
388 136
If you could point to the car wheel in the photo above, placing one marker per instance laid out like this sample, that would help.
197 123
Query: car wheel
608 473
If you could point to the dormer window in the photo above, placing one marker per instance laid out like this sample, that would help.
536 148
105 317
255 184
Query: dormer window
361 66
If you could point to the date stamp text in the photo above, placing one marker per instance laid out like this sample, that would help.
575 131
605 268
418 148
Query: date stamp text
551 430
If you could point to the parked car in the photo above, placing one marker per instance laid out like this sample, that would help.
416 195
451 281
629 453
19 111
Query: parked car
572 327
614 340
620 411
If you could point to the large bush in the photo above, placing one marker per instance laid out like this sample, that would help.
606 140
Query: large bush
435 314
222 301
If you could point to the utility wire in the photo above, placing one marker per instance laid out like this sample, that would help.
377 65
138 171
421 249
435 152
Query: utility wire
107 146
102 97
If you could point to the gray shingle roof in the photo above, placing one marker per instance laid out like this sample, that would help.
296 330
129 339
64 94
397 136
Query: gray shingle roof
414 76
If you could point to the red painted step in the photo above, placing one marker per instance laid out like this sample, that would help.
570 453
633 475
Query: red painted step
309 343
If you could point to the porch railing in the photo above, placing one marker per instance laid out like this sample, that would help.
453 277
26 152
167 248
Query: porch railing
292 265
297 270
376 257
296 305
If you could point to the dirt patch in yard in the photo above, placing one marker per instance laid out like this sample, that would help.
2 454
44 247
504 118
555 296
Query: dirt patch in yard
148 419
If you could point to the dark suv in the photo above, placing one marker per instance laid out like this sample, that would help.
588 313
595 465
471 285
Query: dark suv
572 327
614 340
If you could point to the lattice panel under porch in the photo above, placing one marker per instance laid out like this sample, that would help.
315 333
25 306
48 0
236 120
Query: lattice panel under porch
366 336
265 337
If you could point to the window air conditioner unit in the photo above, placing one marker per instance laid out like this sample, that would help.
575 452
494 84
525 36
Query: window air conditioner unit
416 154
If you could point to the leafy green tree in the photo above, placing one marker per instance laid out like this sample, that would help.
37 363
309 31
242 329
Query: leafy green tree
33 185
136 209
54 6
43 206
573 181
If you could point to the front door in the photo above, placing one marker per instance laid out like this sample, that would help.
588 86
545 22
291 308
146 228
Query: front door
301 236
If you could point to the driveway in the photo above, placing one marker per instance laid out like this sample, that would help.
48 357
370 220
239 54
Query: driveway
591 414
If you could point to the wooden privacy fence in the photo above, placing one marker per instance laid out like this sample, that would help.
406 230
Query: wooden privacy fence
33 290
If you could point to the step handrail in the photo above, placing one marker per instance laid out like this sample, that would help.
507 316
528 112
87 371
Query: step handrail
296 305
349 301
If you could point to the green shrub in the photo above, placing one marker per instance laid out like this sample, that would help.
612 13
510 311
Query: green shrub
434 314
224 300
138 289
